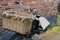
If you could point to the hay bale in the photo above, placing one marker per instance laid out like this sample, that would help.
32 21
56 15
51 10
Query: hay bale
19 26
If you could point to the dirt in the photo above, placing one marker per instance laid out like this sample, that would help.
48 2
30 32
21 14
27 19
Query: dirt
50 35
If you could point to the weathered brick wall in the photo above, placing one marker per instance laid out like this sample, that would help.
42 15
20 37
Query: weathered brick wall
44 7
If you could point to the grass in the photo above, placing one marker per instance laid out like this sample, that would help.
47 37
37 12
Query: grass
52 25
58 17
58 20
56 28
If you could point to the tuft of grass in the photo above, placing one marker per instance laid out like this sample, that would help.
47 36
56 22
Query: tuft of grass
58 20
56 28
58 17
52 25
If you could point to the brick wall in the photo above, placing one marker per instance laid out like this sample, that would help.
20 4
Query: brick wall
44 7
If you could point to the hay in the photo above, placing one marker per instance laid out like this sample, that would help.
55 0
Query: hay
18 26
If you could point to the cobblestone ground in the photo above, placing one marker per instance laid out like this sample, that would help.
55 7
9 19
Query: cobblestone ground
51 35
